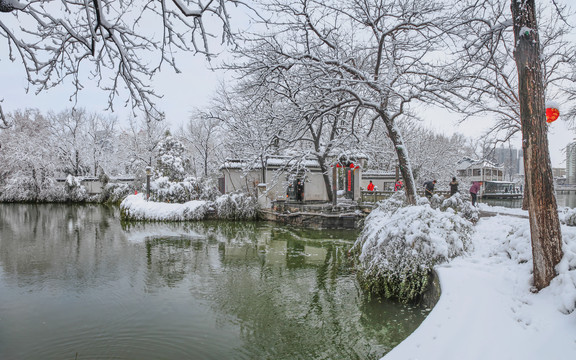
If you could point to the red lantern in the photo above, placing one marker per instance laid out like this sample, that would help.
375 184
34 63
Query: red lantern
552 114
351 166
338 165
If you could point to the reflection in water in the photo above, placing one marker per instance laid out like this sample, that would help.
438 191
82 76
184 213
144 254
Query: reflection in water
75 282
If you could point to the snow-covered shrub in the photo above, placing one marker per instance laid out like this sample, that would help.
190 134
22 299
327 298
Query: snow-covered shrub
236 206
27 189
20 189
517 246
164 190
114 193
568 217
564 285
400 245
464 208
74 190
436 201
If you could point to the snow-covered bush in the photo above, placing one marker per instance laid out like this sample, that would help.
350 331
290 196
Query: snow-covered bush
565 283
568 217
164 190
237 206
464 208
27 189
517 247
20 189
75 192
114 193
400 245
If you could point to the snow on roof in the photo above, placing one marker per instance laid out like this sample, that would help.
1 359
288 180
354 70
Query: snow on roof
466 163
377 173
270 162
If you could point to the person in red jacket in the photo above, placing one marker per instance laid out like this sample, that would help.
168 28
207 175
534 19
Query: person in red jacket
474 191
370 186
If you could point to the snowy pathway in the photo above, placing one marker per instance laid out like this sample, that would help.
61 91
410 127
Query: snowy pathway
486 310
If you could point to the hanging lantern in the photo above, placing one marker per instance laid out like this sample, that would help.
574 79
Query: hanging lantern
352 166
338 165
552 114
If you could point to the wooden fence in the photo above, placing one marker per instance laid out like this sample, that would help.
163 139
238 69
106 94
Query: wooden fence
375 196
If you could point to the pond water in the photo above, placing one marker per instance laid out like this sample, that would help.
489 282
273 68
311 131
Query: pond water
563 200
77 284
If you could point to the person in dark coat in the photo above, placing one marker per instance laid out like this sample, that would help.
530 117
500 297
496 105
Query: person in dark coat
299 191
429 188
474 191
453 186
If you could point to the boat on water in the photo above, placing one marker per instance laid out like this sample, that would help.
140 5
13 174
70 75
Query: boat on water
500 190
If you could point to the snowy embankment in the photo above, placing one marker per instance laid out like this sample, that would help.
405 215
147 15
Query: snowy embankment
135 207
487 310
228 206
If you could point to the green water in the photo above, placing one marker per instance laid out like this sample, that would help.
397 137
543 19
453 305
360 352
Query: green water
77 284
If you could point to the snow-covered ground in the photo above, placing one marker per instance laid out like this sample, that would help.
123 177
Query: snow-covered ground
487 311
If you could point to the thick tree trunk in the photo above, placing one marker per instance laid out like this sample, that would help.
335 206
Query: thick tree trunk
542 208
403 160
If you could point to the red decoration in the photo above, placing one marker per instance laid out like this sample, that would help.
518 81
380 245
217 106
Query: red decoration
552 114
351 166
338 165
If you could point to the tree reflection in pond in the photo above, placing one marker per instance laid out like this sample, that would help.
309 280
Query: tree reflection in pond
292 293
210 290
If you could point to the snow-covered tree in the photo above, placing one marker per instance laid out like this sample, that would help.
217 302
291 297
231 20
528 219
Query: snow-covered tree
139 144
379 56
202 135
69 128
542 208
304 118
117 44
489 76
171 162
101 135
28 161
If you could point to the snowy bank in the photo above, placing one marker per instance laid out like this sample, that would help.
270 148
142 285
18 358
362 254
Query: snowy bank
135 207
486 309
228 206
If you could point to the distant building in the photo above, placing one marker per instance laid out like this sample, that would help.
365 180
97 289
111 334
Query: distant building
383 181
279 176
479 170
510 159
571 163
559 172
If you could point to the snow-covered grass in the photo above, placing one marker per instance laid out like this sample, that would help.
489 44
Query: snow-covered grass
400 245
487 309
